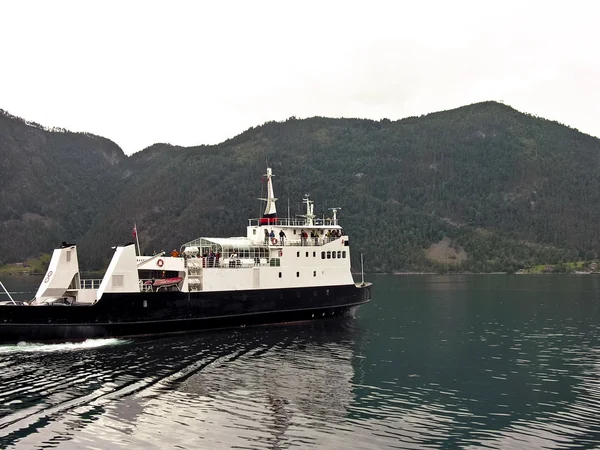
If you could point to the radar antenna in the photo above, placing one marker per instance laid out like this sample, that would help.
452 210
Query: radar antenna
335 210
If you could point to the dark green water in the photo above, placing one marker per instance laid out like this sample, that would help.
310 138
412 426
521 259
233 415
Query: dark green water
433 362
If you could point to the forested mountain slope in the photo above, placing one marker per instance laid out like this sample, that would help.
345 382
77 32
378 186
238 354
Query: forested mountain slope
52 185
504 188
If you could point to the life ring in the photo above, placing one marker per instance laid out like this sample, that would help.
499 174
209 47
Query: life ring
160 263
280 252
274 241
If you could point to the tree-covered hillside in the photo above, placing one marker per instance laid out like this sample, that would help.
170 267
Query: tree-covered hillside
52 185
506 189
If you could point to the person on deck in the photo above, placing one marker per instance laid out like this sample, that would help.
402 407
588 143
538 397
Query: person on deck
175 253
272 236
266 236
282 236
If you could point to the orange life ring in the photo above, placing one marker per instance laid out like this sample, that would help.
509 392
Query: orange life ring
274 241
160 263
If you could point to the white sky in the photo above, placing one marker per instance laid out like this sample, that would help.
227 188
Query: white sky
191 73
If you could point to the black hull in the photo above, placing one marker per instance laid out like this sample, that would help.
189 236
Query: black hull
139 314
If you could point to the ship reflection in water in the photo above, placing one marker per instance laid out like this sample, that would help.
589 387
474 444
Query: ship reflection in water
266 387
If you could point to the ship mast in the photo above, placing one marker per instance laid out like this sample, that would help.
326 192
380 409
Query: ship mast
270 209
309 210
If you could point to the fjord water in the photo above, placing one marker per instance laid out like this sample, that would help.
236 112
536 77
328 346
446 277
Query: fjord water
470 361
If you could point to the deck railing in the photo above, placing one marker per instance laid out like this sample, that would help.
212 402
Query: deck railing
291 222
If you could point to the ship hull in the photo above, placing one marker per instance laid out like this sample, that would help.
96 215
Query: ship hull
139 314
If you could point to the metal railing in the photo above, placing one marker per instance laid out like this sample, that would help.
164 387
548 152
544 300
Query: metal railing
291 222
299 242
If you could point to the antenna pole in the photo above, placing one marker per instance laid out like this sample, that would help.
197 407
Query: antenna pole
137 239
362 273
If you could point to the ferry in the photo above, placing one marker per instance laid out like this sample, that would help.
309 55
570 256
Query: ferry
283 270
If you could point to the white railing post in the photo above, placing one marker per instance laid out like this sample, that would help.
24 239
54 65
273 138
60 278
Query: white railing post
7 293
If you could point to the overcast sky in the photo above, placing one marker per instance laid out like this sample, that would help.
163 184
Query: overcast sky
191 73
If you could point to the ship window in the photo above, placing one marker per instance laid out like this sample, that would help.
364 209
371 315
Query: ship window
298 254
339 254
314 273
322 255
328 255
117 280
297 274
68 255
344 254
294 231
314 254
279 274
333 254
307 254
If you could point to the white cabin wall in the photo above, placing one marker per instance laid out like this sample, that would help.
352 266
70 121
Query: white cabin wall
122 272
296 271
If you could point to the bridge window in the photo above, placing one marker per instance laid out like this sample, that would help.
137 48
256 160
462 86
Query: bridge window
322 255
333 254
339 254
344 254
328 255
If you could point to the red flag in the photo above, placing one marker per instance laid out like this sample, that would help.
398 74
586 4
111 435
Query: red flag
134 231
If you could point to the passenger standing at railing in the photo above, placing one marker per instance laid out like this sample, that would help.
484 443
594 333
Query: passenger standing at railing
266 236
282 236
303 236
272 236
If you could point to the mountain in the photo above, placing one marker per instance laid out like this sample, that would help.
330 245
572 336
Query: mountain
479 188
53 183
